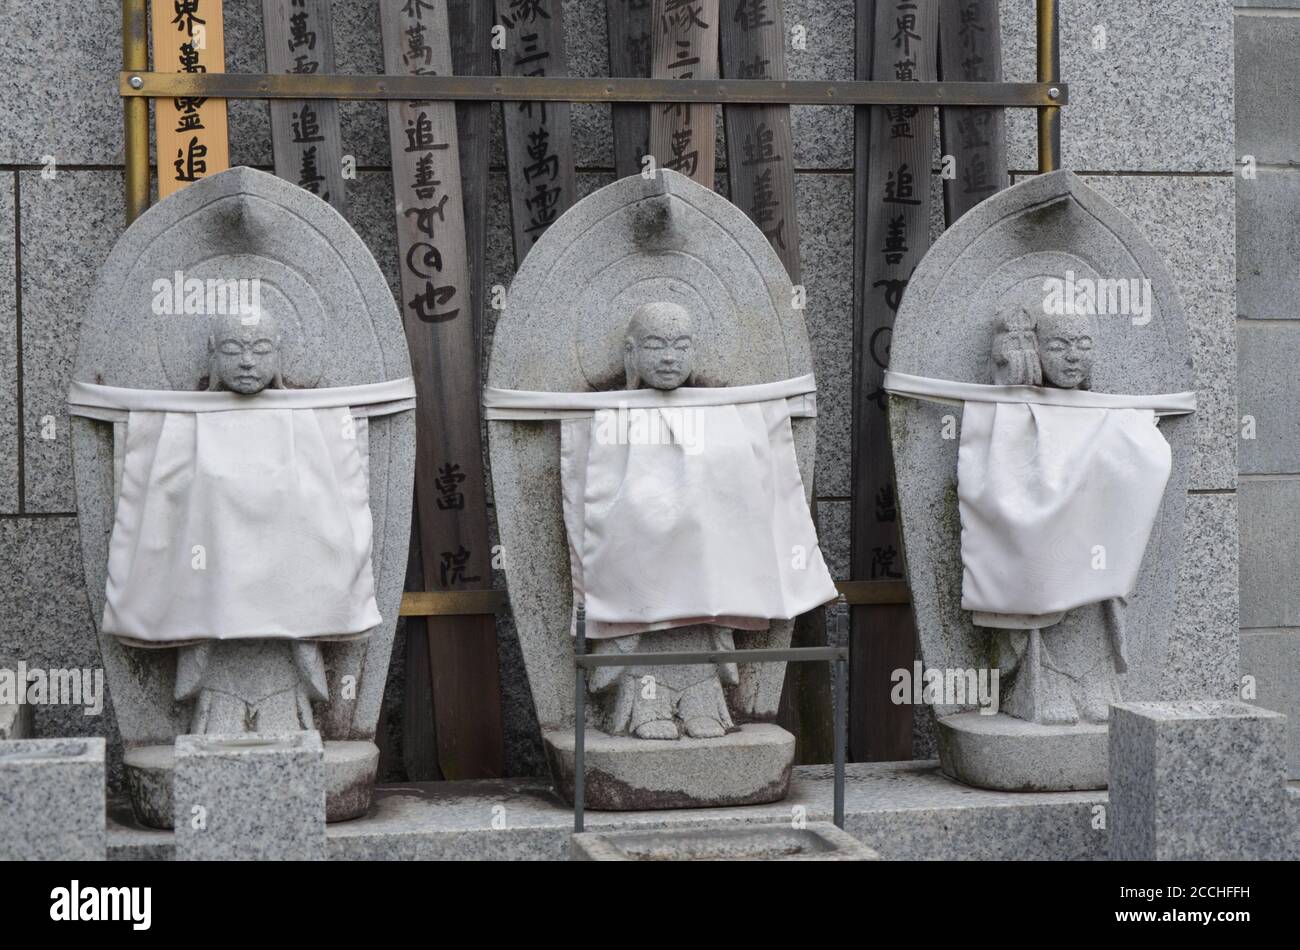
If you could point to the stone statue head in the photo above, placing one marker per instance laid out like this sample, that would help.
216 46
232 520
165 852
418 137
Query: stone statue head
244 352
659 348
1015 349
1065 349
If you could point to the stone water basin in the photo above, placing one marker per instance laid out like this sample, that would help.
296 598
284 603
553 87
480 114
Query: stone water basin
817 841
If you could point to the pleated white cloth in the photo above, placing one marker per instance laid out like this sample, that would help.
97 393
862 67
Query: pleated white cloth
1058 490
683 507
240 516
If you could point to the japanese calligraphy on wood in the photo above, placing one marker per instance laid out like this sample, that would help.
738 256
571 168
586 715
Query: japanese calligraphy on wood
539 144
896 234
760 170
305 135
191 132
628 23
760 149
974 140
450 495
684 46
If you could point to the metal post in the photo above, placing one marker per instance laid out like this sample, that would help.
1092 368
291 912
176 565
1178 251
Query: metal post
841 704
580 722
1049 71
135 111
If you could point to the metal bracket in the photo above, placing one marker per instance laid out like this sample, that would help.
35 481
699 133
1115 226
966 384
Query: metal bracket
452 603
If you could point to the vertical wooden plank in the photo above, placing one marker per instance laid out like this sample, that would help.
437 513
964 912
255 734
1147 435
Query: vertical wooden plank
305 136
539 140
419 730
685 46
760 148
628 25
970 50
895 223
450 495
471 55
191 133
760 171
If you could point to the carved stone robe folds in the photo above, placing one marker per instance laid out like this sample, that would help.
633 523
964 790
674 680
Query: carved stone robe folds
240 516
1058 490
685 506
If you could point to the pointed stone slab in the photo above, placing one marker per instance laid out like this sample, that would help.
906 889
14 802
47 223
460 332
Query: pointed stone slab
1003 249
629 243
348 332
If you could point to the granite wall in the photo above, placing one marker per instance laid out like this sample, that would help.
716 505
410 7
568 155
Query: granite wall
1150 125
1268 331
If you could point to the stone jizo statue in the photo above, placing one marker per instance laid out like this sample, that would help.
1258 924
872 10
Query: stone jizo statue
664 702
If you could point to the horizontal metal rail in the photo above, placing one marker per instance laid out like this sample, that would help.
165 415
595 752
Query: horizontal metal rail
1027 95
446 603
790 655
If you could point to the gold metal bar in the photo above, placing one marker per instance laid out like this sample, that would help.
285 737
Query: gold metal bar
1049 72
586 89
874 593
135 112
452 603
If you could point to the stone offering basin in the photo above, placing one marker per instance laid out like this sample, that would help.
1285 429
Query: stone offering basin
817 841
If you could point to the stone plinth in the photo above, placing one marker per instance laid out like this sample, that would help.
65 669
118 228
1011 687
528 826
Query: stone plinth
52 800
1197 781
250 797
1015 755
750 766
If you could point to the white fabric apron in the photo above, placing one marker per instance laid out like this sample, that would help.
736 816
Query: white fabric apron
683 507
1058 490
240 516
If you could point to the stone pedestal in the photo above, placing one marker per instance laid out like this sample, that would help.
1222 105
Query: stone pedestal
1013 755
750 766
52 800
817 841
1196 781
350 767
250 797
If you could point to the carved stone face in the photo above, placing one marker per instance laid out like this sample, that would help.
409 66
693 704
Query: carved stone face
244 351
659 350
1065 350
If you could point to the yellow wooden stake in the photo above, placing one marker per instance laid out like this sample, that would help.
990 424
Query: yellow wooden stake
192 133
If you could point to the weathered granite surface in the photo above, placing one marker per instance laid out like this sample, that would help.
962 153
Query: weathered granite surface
903 810
1001 251
52 800
250 797
819 841
1199 781
1270 551
347 332
1008 753
1272 659
567 313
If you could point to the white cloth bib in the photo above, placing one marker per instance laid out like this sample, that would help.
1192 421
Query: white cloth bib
683 507
1057 490
240 516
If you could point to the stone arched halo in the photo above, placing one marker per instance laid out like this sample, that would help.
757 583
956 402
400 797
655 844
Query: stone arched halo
241 223
632 242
